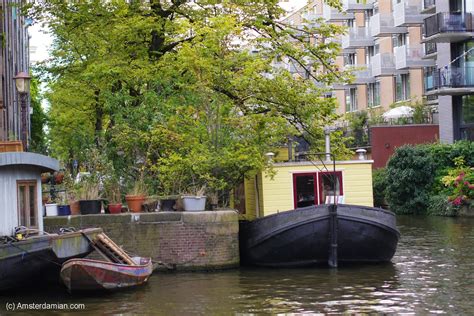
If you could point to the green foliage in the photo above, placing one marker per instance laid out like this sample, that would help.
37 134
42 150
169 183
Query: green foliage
379 182
180 90
415 174
438 205
38 120
460 183
410 174
358 128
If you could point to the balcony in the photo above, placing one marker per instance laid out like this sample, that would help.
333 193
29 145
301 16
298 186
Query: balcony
383 25
357 5
331 14
429 7
383 64
411 57
408 13
449 81
362 73
357 37
448 27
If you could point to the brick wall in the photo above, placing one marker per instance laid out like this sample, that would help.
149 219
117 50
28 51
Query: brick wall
181 240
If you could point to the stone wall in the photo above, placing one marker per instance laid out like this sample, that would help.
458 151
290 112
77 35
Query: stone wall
180 240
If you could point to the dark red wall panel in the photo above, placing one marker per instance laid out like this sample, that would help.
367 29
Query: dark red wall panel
385 139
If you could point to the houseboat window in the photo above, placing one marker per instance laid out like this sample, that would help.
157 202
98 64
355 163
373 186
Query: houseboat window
328 181
27 204
316 188
304 189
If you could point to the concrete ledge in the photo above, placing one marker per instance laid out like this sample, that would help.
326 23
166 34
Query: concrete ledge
182 240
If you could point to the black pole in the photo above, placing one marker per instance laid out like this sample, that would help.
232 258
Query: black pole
24 121
332 209
332 261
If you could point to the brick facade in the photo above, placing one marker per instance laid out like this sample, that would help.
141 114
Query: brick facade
181 240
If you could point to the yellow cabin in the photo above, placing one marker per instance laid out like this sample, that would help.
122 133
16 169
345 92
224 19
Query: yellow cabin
302 183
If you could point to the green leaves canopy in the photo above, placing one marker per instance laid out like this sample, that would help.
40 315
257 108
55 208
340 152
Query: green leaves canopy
169 85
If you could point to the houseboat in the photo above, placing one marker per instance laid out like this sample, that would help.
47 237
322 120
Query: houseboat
25 250
314 211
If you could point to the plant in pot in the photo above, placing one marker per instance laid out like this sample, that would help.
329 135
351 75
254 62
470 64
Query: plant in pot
63 208
51 208
89 196
73 191
136 196
196 201
114 198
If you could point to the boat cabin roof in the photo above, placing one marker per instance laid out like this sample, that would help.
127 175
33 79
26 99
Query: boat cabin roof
44 163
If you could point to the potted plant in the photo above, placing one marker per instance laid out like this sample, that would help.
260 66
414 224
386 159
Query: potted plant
89 197
136 196
63 208
51 208
114 198
195 202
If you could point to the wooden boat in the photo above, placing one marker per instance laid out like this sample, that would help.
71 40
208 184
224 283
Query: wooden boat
304 237
87 274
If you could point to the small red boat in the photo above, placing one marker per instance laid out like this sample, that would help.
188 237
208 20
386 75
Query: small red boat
87 274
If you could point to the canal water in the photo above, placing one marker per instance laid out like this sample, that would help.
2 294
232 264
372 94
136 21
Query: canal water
431 273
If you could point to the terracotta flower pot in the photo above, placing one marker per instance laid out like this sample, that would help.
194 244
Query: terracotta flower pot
75 208
135 202
115 208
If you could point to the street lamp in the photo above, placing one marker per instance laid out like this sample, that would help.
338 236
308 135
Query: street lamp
22 82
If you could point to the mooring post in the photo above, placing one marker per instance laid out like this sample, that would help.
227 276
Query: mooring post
332 261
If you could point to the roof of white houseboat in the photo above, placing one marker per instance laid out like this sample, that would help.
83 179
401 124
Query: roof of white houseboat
44 163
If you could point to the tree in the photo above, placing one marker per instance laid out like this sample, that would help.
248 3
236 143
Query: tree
38 120
150 83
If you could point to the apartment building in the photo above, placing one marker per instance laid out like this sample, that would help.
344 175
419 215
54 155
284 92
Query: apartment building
449 41
14 59
404 50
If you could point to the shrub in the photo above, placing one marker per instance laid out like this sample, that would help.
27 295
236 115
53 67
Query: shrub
410 174
439 205
460 183
379 180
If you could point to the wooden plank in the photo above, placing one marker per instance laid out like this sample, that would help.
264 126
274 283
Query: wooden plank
112 250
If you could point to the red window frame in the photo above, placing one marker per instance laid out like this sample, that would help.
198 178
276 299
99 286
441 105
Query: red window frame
320 181
318 190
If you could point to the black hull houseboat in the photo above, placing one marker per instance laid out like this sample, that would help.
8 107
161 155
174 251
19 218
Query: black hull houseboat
320 235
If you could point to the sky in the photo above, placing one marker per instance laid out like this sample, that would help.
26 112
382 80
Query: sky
40 41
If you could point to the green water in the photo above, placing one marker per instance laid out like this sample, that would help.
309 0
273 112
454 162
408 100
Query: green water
431 273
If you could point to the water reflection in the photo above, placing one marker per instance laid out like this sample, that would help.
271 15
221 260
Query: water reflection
431 273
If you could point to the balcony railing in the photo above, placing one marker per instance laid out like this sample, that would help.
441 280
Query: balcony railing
362 73
357 5
448 22
383 64
407 12
383 25
357 37
331 14
449 77
411 57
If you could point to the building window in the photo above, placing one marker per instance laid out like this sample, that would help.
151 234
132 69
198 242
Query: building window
350 59
27 203
351 100
373 94
402 87
316 188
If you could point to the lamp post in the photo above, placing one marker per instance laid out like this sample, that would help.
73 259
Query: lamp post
22 82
